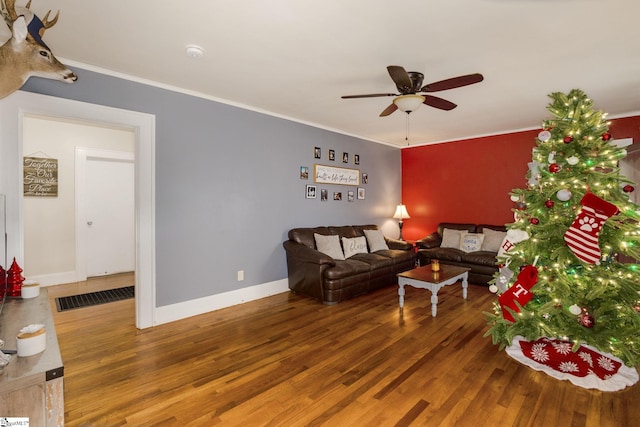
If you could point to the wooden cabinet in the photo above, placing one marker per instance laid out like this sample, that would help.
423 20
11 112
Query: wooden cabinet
32 386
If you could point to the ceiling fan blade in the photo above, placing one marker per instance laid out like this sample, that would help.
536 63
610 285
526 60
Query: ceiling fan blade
434 101
452 83
401 78
390 109
370 95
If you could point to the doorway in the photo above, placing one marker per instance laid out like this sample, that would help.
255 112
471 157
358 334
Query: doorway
14 109
630 168
58 241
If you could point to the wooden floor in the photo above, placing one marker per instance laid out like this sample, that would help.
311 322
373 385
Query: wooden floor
290 361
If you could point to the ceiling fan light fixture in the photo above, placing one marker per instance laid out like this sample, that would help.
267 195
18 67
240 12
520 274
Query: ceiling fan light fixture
408 103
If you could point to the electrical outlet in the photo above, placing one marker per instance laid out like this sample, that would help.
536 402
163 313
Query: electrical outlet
240 275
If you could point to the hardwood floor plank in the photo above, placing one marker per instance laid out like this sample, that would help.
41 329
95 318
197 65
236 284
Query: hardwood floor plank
412 414
286 360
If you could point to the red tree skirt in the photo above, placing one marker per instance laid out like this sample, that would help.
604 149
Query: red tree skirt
587 367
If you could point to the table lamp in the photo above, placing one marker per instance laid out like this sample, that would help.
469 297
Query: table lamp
401 213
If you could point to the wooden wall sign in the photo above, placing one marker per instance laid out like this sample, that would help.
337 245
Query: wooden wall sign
333 175
40 177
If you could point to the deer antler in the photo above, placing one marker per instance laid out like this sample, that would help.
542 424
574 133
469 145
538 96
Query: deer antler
10 9
46 24
13 15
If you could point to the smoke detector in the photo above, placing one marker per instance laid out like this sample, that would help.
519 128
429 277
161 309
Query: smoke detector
195 52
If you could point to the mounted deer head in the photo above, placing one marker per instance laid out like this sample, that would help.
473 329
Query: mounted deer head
25 54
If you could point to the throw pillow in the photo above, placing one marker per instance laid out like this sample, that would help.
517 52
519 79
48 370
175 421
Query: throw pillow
492 239
376 241
329 245
451 238
471 242
355 245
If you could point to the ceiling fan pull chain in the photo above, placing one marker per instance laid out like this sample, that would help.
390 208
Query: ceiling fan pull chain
406 138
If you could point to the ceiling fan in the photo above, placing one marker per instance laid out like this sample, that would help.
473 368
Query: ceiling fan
409 84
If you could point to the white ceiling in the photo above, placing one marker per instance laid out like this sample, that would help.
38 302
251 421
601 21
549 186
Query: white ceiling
295 58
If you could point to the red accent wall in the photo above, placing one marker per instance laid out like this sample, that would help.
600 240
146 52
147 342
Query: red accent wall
470 180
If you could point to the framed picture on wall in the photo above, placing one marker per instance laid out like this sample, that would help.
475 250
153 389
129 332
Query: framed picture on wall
360 193
332 155
356 159
365 178
310 192
304 172
345 157
40 177
350 196
317 153
324 174
324 195
337 195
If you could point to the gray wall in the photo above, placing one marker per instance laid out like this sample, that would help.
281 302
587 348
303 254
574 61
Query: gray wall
228 186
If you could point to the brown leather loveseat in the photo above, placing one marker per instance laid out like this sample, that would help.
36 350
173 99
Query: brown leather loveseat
481 259
365 267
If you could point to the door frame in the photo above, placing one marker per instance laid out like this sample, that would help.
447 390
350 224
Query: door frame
82 155
19 104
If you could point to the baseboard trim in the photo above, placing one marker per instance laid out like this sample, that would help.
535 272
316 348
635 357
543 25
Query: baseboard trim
183 310
55 278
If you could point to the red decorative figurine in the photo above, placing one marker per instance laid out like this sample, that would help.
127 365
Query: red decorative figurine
14 280
3 281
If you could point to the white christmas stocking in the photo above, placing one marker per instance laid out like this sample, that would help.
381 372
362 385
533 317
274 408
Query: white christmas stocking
582 235
513 237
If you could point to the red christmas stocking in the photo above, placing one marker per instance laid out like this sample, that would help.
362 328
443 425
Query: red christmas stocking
582 235
519 291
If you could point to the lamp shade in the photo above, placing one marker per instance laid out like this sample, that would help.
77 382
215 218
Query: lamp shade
409 103
401 213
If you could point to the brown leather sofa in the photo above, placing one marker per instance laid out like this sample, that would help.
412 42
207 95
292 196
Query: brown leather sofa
319 276
482 263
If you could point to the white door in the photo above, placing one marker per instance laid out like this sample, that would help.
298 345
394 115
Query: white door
110 213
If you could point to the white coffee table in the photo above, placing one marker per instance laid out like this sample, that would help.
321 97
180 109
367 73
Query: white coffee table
426 278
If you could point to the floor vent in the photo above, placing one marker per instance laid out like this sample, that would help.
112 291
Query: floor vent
94 298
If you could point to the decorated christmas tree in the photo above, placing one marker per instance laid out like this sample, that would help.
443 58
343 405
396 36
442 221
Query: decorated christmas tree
562 289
